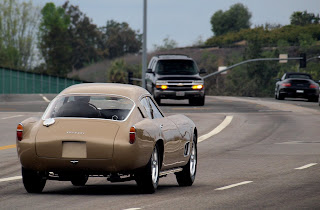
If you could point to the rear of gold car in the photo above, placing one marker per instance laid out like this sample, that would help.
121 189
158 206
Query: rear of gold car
99 145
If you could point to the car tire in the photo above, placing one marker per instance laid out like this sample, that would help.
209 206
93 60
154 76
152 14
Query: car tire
188 174
148 178
313 99
80 180
280 96
33 181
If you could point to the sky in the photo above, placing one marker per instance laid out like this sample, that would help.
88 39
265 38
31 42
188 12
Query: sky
184 21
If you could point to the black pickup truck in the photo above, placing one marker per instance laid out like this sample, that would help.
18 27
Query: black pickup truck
175 77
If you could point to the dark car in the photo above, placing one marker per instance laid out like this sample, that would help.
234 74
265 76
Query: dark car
175 77
297 85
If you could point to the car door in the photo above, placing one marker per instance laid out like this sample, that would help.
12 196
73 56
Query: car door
173 143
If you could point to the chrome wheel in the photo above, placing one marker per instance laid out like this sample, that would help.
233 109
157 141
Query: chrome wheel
188 174
147 178
155 166
193 160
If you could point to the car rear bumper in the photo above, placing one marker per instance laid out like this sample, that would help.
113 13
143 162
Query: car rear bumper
299 93
169 94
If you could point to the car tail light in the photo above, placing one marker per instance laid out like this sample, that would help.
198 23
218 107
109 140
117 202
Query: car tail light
19 132
286 84
313 86
132 135
197 87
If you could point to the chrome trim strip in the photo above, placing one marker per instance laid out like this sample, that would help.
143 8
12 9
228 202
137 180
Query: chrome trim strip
174 163
171 171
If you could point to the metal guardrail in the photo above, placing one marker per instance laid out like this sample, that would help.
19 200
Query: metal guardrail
249 61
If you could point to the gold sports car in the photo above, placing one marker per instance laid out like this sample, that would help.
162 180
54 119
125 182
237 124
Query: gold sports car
112 130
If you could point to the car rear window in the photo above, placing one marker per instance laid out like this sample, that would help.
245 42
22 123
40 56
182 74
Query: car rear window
299 76
112 107
176 67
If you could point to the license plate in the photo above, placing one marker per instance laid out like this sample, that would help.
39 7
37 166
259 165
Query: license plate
180 93
300 91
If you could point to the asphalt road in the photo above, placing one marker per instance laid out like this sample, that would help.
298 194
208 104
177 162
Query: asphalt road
267 157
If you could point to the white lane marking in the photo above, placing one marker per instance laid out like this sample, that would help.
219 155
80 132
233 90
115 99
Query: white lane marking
11 117
10 178
132 209
291 142
45 98
234 185
306 166
217 130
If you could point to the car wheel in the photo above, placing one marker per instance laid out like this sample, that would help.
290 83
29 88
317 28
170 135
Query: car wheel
79 180
313 99
187 176
33 181
148 178
280 96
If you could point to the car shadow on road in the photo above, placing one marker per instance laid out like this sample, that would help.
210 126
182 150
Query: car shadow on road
118 189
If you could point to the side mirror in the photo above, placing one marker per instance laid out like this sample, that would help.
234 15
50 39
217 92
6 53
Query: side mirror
202 71
149 71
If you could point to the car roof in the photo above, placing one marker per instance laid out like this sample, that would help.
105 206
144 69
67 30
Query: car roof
131 91
298 73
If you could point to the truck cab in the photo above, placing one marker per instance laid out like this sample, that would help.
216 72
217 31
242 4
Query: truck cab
175 77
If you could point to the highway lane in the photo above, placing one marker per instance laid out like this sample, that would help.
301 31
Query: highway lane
252 163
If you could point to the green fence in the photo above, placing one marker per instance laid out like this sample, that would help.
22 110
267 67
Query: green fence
18 82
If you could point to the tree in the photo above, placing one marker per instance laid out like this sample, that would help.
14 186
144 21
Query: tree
86 39
54 44
232 20
117 73
121 39
168 44
304 18
18 28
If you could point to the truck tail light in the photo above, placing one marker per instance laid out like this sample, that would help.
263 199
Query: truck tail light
19 132
197 87
132 135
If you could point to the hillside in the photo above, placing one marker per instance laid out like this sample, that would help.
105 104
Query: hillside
208 58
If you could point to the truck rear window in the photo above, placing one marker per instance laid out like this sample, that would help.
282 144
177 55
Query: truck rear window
111 107
176 67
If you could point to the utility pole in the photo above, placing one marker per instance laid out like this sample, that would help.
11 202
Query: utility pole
144 44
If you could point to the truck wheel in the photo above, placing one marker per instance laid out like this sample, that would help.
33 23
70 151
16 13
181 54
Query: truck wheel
33 181
197 101
158 100
148 178
187 176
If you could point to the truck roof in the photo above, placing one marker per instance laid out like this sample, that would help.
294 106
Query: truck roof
173 56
